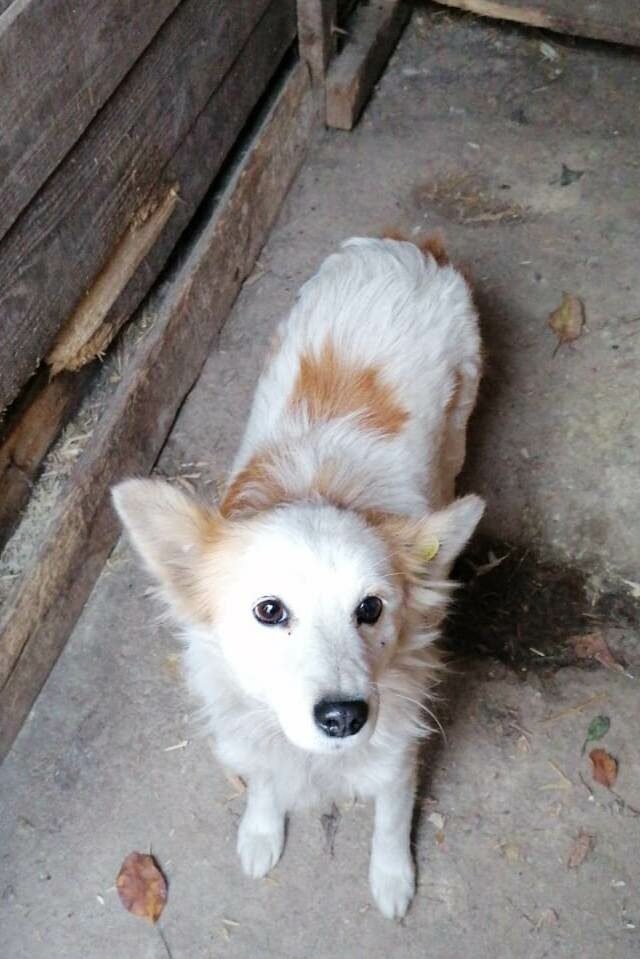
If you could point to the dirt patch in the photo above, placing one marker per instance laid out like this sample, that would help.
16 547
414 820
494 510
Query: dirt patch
465 198
525 611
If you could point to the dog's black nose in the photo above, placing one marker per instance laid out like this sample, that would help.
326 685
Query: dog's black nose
341 718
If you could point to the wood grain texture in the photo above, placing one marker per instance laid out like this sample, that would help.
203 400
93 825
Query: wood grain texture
29 432
615 20
373 33
77 342
317 40
59 62
188 311
212 136
52 255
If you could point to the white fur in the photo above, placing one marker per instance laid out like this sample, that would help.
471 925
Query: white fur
382 304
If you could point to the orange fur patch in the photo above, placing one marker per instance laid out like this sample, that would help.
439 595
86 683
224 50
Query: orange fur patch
327 387
256 487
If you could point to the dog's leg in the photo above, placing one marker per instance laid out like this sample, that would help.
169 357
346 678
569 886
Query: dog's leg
261 832
392 872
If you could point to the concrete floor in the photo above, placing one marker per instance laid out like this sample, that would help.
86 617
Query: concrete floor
469 131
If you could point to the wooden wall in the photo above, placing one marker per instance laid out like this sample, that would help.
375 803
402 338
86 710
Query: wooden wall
106 109
119 121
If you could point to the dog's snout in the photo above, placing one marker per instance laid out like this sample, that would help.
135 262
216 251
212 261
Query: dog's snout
342 717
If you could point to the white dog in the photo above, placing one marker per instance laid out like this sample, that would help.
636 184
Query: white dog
312 597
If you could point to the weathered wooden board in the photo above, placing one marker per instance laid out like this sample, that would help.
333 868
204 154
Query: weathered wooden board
317 37
615 20
26 437
66 236
59 62
373 33
211 137
188 310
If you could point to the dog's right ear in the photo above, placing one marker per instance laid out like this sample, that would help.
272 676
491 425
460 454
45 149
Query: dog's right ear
175 537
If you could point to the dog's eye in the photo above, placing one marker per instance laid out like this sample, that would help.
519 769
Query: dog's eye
369 610
271 612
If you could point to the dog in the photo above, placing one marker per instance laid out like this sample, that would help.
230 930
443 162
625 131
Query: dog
312 596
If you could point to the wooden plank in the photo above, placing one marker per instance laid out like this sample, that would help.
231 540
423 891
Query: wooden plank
28 433
62 241
317 39
615 20
37 421
373 33
77 342
59 62
212 136
187 312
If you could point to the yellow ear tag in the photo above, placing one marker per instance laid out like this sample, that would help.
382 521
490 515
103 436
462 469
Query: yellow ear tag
430 549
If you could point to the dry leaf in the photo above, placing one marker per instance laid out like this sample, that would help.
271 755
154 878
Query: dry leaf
598 727
634 587
548 917
549 52
605 767
142 887
594 646
579 849
510 850
567 321
237 782
436 819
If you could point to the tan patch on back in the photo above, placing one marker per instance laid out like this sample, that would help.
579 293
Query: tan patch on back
327 387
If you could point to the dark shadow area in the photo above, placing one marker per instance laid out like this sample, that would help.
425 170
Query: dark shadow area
515 606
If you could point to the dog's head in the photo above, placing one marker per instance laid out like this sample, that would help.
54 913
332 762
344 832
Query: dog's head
308 604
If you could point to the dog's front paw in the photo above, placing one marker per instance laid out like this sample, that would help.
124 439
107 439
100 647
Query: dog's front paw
393 887
259 851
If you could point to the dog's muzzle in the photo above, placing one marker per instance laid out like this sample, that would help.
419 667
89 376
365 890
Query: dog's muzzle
340 718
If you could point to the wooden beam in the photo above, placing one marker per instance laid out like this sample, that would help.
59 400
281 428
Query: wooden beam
78 341
615 20
373 32
35 421
59 63
68 234
317 38
187 312
28 433
212 136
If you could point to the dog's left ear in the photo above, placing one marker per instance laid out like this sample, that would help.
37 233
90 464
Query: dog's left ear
440 537
174 535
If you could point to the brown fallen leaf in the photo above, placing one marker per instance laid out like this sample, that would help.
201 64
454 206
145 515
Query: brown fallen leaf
141 886
510 850
567 320
548 917
594 646
580 849
605 767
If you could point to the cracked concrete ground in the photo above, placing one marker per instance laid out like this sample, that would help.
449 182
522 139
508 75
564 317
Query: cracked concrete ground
472 130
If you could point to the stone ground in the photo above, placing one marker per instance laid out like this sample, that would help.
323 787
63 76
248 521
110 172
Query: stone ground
522 147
